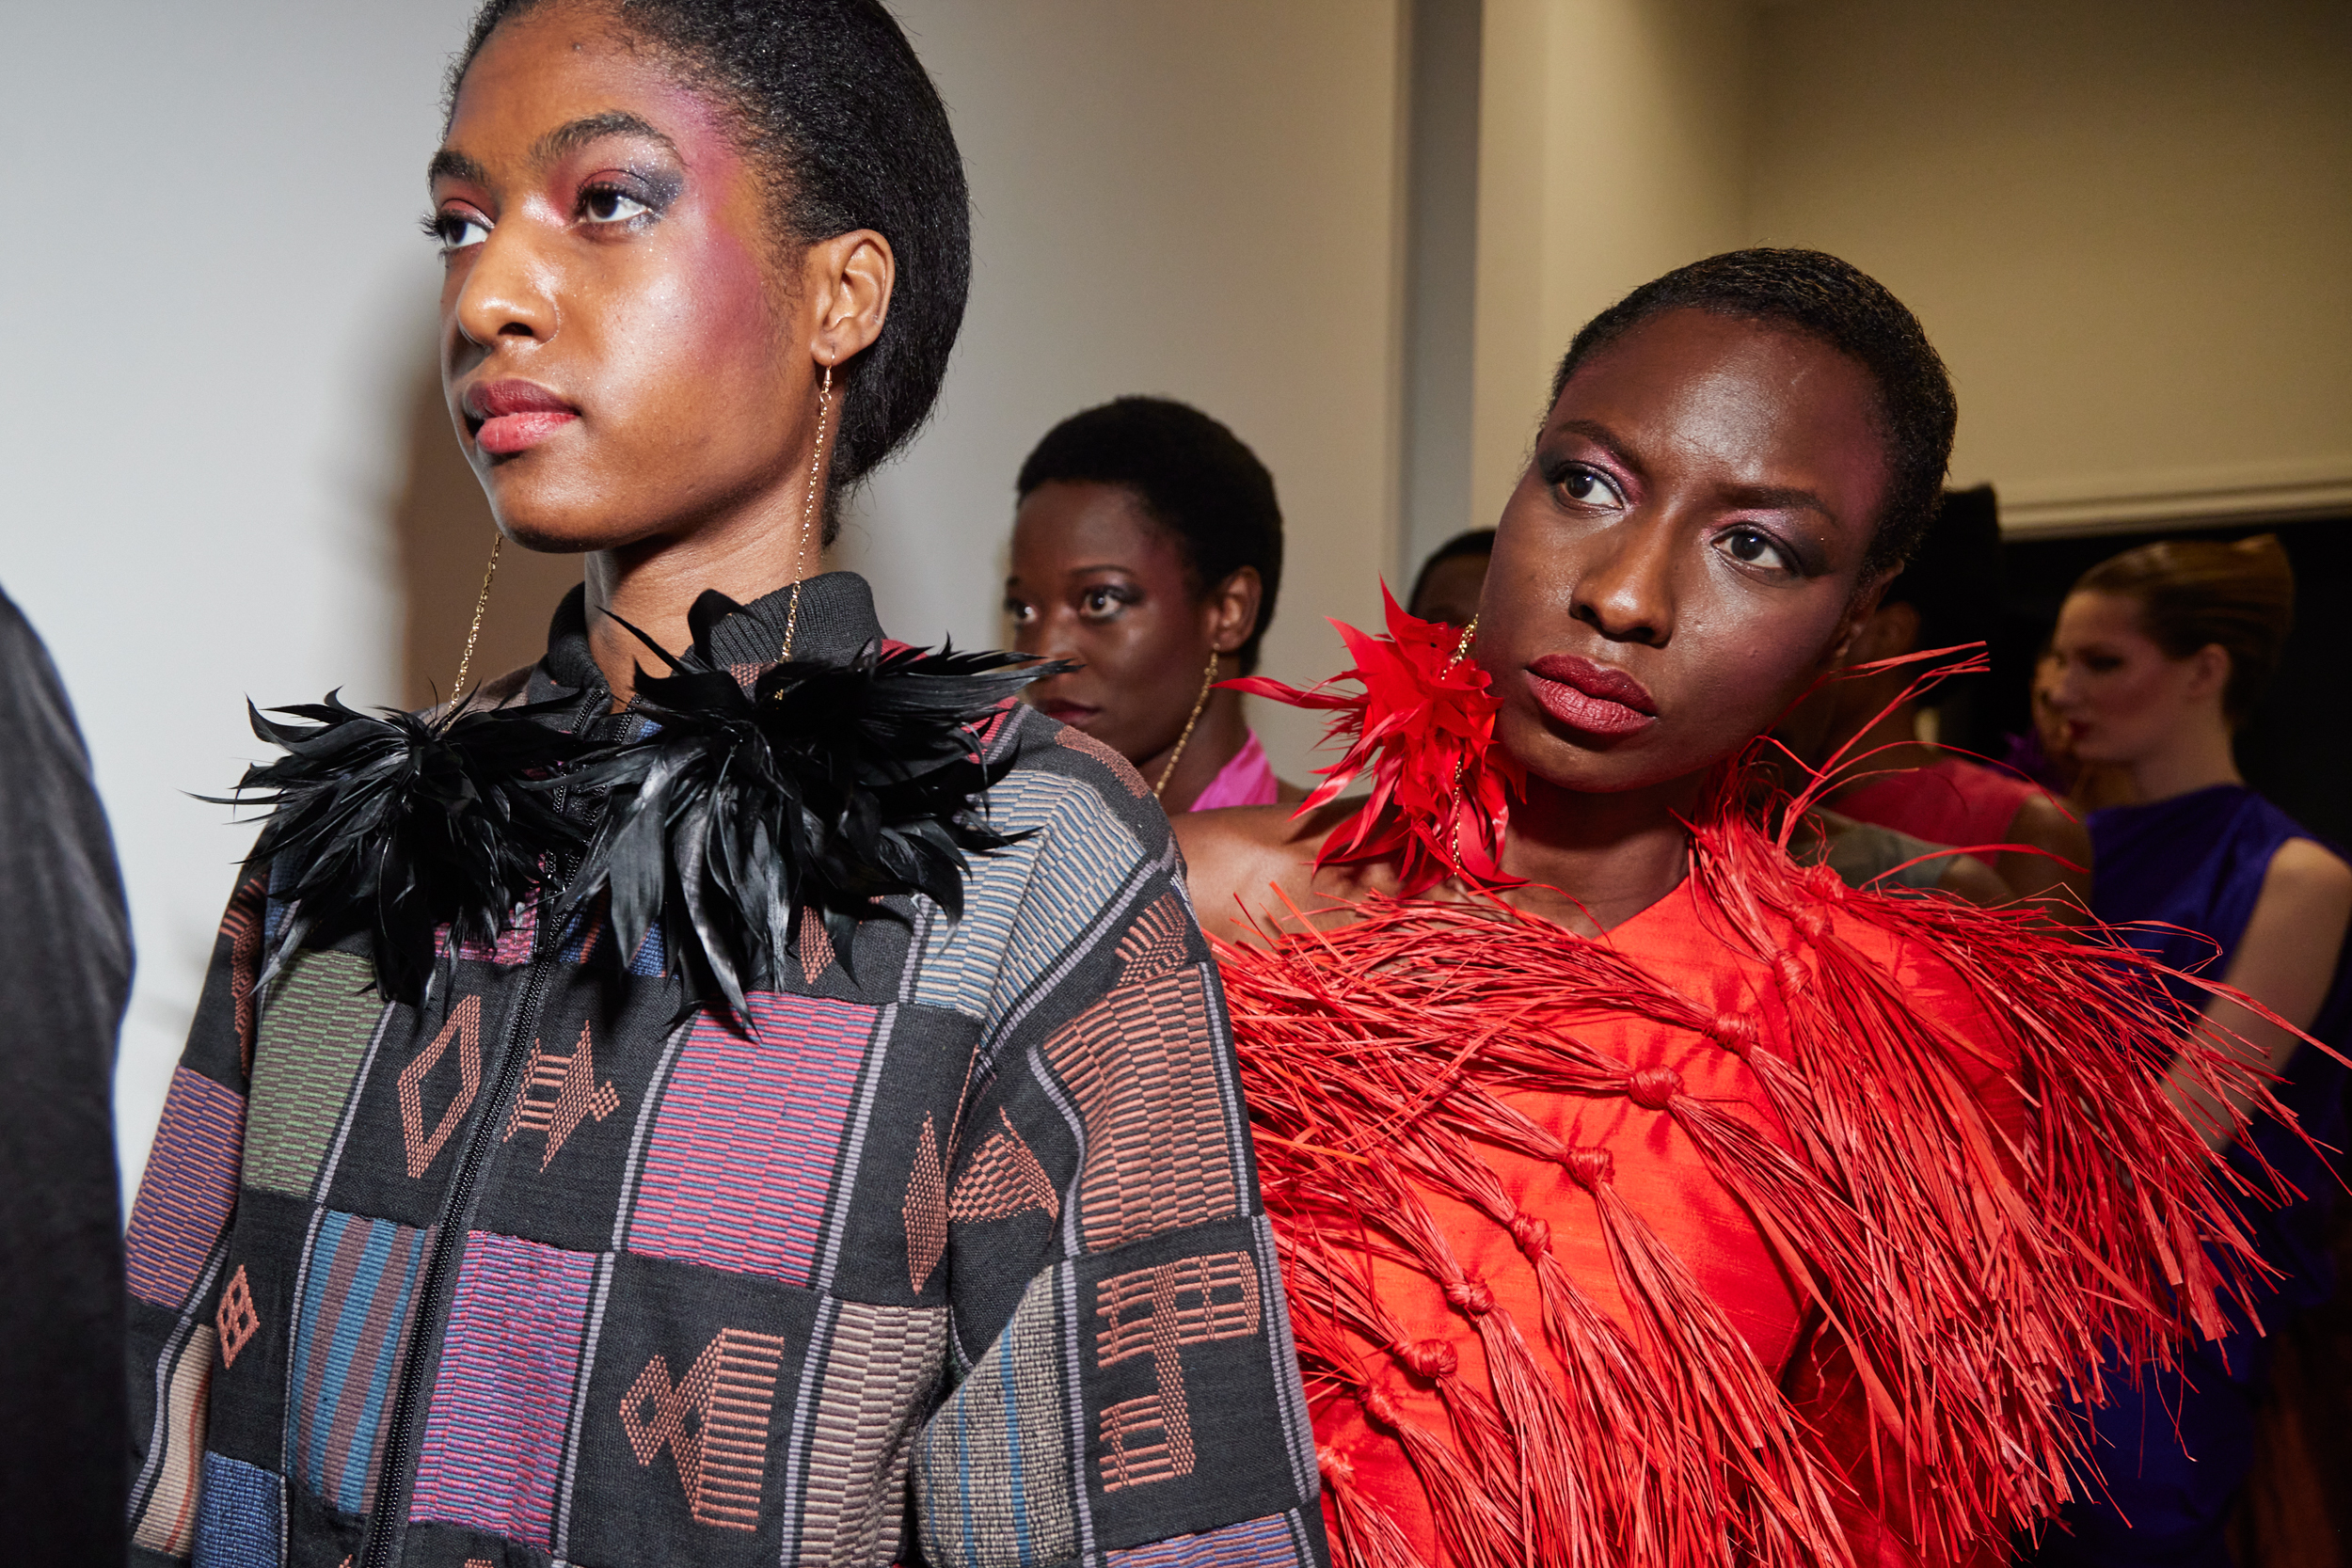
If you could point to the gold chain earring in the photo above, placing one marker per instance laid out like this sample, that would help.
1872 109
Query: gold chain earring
808 510
473 633
1208 682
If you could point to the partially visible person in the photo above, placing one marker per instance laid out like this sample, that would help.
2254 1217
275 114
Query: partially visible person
63 983
2045 753
2160 655
1867 725
1147 550
1447 588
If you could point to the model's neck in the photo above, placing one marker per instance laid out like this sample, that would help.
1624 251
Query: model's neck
653 585
2196 756
1594 862
1217 738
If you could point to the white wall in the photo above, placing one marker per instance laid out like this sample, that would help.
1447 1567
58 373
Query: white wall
2127 224
210 309
1612 148
1196 200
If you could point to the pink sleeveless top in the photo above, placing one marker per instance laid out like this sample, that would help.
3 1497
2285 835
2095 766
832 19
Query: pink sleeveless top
1246 781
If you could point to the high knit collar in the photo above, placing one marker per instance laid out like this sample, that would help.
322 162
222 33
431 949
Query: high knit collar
836 620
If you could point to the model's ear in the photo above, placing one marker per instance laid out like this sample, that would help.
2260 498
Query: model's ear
847 281
1859 609
1232 610
1890 631
2209 672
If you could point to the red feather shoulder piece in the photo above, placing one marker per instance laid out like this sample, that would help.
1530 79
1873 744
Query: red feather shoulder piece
1421 725
1491 1148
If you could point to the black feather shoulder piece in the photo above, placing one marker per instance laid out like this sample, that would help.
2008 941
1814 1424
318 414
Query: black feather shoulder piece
396 823
821 789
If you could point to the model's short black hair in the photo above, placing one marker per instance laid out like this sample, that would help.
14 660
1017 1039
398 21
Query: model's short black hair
849 133
1954 580
1816 293
1477 541
1191 475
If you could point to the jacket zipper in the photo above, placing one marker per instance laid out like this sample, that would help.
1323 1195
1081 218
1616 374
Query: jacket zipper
396 1480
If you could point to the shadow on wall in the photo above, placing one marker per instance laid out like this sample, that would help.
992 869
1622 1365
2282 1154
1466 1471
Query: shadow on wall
441 528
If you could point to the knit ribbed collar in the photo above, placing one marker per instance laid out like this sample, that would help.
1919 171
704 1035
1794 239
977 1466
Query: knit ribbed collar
836 620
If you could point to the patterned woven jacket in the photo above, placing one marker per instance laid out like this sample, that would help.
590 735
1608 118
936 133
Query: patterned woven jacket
961 1261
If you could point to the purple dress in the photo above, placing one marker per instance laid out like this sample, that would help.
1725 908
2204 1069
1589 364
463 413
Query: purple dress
2197 862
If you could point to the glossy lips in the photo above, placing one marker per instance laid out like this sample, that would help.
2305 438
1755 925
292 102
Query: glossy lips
1590 697
1073 713
516 416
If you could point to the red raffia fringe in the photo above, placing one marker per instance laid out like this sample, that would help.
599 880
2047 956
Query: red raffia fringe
1971 1279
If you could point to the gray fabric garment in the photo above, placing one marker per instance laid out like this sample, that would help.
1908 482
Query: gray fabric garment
65 974
1862 852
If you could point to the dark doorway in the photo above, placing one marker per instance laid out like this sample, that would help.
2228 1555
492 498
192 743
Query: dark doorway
2296 750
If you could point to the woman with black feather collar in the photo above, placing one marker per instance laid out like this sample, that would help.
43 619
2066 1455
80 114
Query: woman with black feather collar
737 1090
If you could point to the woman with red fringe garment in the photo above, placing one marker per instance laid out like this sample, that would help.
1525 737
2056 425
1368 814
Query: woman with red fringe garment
1646 1197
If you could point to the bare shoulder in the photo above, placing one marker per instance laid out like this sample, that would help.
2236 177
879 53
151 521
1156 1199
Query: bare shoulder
2309 878
1968 877
1233 857
2047 824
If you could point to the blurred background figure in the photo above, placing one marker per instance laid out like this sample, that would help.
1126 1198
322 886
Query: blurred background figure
1147 550
2045 752
1447 587
1947 596
2161 654
65 973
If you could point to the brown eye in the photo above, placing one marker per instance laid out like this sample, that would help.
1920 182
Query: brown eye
604 204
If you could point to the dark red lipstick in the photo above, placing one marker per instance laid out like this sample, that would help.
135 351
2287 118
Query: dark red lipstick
514 415
1591 697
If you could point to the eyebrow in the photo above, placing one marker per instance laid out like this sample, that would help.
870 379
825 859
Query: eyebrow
1760 498
579 133
1602 436
450 164
1776 497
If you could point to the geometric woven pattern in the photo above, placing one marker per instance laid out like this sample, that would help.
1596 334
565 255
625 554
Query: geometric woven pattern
881 1361
1003 1179
1155 942
350 1329
190 1191
1157 1312
235 1317
1260 1543
314 1030
749 1134
714 1422
1139 1066
991 1470
502 1393
167 1521
241 1516
559 1093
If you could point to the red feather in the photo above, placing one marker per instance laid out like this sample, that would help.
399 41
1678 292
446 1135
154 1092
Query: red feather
1421 726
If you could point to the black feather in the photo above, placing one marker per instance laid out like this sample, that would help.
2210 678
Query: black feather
824 789
395 824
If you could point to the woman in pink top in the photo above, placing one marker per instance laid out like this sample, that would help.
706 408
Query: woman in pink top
1147 551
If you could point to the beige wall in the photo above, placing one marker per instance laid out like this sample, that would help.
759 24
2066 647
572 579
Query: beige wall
2126 223
1611 149
1199 201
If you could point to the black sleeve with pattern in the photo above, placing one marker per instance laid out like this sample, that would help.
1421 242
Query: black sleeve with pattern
1123 1381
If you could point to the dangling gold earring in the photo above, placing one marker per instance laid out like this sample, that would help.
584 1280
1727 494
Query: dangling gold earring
473 633
1208 681
1461 649
808 510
